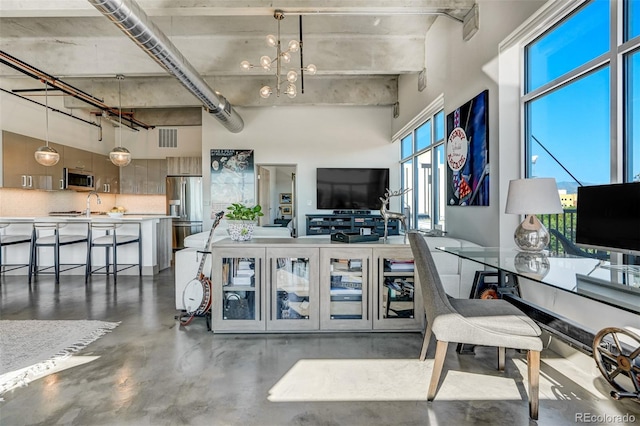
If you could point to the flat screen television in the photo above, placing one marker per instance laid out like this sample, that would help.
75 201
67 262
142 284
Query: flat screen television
608 217
351 188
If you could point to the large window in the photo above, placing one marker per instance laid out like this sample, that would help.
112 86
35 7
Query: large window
581 125
581 101
423 171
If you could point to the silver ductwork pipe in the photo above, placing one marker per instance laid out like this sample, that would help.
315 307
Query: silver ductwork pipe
135 23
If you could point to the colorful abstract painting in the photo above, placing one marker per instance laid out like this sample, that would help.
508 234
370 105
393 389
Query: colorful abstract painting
467 153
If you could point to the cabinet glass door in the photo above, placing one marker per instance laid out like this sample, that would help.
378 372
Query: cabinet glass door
237 298
345 296
239 288
398 301
398 289
294 290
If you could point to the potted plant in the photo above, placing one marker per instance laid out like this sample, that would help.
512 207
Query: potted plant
241 220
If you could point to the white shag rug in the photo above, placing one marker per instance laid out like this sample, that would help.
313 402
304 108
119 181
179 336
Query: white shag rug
31 349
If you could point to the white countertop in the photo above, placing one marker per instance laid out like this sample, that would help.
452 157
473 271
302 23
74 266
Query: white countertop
94 217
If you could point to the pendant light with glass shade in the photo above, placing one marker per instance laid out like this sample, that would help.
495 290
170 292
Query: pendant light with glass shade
46 155
120 156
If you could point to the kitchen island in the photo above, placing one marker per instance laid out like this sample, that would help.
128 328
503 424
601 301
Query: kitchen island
156 242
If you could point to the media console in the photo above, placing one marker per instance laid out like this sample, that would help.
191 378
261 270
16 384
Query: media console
325 224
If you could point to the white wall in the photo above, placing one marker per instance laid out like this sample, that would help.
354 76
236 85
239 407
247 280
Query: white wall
460 70
26 118
309 137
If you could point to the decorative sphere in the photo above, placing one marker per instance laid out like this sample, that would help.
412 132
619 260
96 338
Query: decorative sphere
120 156
272 41
292 76
265 92
294 46
312 69
47 156
245 65
291 91
265 62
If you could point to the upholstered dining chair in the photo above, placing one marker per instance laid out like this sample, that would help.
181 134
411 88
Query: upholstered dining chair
483 322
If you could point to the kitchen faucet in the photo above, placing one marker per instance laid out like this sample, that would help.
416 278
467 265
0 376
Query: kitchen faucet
89 202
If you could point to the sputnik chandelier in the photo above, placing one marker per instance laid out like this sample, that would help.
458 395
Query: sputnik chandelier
282 56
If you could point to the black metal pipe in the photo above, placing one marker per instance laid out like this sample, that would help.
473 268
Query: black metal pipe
301 59
56 83
52 109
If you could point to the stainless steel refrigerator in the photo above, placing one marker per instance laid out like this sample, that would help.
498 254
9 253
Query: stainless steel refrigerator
184 204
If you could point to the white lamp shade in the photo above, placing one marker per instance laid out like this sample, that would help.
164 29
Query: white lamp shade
533 196
47 156
120 156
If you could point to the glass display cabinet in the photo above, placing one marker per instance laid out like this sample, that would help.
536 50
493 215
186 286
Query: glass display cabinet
238 289
293 289
397 295
345 303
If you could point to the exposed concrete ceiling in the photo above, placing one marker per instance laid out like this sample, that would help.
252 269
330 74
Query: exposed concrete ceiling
360 48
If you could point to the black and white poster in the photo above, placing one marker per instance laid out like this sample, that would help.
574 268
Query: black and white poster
233 178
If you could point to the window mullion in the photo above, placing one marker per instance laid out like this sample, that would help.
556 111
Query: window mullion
616 89
594 64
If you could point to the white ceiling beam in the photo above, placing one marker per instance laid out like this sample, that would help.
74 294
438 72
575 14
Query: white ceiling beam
49 8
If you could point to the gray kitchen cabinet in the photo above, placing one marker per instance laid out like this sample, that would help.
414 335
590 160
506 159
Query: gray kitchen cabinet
156 176
106 173
129 177
21 170
184 166
79 159
143 177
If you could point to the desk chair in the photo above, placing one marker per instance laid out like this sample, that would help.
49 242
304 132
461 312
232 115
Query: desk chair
51 234
109 238
7 240
490 322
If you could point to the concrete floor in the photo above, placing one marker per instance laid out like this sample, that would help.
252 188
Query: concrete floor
151 371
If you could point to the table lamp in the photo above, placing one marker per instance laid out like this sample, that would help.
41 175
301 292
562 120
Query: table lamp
531 197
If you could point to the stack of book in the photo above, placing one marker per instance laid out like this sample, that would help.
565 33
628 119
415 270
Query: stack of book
399 265
243 274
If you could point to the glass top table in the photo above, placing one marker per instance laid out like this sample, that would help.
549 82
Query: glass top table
617 285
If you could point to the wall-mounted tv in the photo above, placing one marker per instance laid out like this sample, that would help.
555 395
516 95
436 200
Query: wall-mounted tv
351 188
608 217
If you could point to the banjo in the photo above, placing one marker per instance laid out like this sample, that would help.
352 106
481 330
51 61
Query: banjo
196 296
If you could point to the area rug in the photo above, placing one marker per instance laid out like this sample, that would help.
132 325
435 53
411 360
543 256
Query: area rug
32 348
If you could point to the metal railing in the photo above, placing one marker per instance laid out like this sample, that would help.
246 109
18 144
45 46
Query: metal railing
565 224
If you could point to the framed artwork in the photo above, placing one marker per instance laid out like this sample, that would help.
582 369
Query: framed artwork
285 209
233 178
285 198
467 153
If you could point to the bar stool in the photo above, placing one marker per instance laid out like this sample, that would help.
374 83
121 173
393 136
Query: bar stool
55 239
110 240
11 240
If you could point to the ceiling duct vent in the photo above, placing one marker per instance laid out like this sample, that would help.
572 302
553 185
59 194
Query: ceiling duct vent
168 138
134 22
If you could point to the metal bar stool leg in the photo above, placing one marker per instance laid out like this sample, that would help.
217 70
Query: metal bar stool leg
32 253
87 269
56 257
139 254
115 260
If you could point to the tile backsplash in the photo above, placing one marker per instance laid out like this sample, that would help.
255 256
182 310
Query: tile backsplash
27 203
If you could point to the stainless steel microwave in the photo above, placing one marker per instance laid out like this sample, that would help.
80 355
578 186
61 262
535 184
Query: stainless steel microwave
79 180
